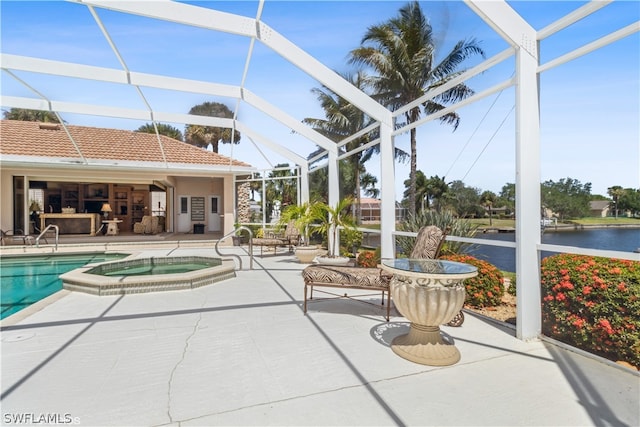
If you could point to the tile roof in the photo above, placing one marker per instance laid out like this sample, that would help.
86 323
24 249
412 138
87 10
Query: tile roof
22 138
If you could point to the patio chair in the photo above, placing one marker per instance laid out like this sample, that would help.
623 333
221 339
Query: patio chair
428 244
19 237
148 225
291 235
10 237
290 238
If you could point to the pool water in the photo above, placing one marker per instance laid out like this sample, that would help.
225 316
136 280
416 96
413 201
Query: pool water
155 266
26 280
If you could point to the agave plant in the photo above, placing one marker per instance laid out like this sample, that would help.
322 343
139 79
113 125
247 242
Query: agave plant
445 221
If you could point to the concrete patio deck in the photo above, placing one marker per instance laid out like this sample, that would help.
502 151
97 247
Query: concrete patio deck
241 352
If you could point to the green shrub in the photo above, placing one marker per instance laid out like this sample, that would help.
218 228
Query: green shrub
511 289
487 288
593 303
349 239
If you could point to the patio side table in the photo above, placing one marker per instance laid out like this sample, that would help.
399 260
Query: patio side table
429 293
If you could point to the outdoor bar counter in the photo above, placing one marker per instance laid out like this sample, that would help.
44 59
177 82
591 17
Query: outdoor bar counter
71 223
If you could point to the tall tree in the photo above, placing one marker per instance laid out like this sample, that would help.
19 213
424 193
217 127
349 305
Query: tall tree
568 197
630 201
202 136
368 185
403 52
282 186
429 191
488 200
507 197
465 201
163 129
30 115
343 119
615 192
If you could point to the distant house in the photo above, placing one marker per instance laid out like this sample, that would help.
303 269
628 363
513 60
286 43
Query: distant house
83 169
500 211
370 210
599 208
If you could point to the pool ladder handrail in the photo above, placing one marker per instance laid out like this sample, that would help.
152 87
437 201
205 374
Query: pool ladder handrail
43 233
232 233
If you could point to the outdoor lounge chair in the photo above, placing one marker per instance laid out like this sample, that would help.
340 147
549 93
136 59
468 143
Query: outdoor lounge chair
11 236
428 244
290 238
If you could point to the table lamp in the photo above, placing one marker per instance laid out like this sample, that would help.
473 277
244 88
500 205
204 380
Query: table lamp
106 208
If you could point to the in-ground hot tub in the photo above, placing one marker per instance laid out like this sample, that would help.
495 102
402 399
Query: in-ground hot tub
154 274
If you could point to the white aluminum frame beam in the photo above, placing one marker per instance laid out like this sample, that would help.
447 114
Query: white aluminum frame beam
108 75
225 22
518 33
195 16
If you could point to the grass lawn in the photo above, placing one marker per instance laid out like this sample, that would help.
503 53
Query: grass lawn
495 222
606 221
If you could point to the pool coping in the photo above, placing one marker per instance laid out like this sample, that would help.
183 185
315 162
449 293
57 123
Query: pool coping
81 281
33 308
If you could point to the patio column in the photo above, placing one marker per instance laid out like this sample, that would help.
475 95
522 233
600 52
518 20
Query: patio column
515 30
303 184
334 188
387 192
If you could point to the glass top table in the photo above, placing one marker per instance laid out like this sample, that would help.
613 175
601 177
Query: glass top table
428 266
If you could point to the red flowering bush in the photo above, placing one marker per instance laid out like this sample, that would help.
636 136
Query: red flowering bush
368 258
593 303
487 288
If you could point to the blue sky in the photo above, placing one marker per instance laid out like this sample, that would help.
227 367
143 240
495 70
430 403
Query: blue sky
590 106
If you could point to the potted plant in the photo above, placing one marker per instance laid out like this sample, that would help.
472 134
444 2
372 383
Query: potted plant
302 216
331 219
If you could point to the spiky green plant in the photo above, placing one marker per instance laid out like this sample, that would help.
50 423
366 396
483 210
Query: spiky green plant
445 221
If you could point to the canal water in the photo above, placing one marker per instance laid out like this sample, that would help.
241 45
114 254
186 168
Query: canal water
616 239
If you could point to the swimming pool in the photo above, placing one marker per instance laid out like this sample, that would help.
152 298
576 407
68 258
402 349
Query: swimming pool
25 280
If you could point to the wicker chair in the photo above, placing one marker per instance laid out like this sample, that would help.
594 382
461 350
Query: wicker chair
148 225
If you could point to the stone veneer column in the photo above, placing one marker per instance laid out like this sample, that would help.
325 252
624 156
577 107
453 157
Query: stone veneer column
243 198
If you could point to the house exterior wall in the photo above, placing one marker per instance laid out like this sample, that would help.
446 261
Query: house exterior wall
204 186
197 187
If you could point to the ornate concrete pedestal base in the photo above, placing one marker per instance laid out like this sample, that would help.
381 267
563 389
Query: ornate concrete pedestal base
424 345
429 293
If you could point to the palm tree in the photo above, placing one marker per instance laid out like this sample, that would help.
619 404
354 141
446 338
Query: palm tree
488 199
368 185
202 136
283 190
429 191
256 186
402 52
615 192
30 115
166 130
437 189
331 219
343 119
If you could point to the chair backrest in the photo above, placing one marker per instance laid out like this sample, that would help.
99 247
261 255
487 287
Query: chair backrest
291 232
428 242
